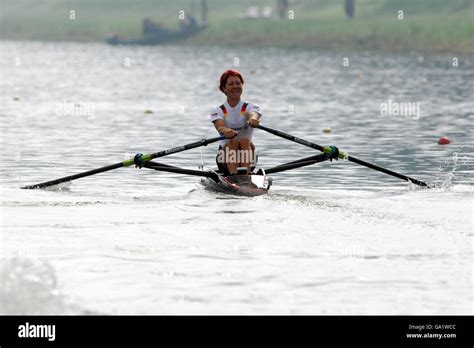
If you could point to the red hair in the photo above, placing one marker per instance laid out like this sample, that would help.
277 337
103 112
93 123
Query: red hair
225 77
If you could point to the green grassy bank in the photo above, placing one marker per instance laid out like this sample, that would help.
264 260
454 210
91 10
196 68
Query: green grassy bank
428 25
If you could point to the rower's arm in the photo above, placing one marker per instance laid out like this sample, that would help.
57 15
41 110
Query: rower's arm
229 133
219 124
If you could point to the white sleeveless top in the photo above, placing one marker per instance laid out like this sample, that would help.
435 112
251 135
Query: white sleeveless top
236 118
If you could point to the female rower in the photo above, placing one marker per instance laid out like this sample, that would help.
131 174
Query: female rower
235 120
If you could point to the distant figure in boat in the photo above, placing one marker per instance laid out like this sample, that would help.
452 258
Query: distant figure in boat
155 33
235 120
151 27
189 23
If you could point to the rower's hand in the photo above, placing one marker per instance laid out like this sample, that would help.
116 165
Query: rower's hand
138 160
229 133
334 154
254 122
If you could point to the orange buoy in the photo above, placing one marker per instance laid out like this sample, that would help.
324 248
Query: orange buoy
443 141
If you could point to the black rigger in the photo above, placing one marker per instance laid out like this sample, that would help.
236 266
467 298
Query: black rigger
171 169
297 164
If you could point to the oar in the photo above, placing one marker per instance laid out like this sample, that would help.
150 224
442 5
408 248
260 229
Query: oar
125 163
342 155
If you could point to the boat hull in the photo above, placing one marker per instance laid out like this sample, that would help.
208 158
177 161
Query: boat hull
240 185
156 39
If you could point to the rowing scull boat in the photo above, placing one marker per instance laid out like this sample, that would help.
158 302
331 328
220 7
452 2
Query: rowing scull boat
252 184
